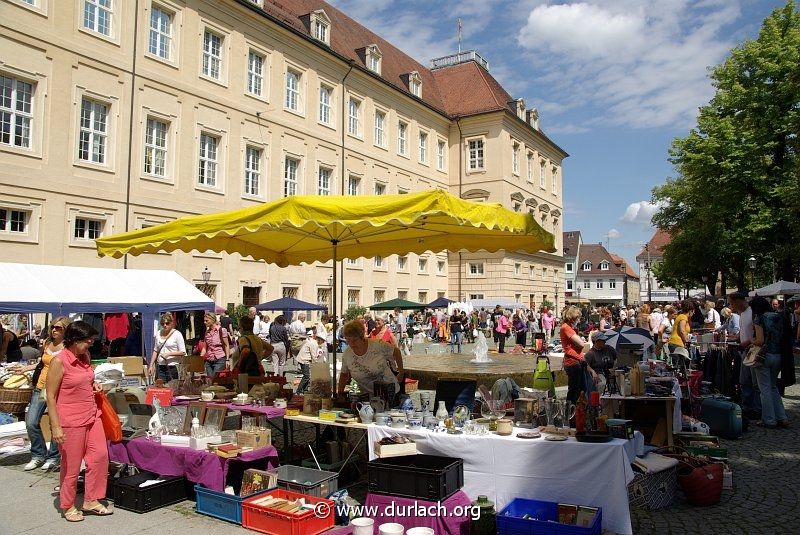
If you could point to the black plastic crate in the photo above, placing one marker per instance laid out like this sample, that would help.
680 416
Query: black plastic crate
129 496
425 477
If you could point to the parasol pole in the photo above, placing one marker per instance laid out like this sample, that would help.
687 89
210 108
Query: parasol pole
334 243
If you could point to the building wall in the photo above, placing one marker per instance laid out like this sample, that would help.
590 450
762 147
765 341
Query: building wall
65 63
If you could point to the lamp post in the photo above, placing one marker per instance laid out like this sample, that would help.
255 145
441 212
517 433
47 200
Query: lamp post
206 276
555 300
330 296
649 284
751 263
705 281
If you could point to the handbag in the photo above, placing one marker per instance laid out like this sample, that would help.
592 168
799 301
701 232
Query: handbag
108 416
755 357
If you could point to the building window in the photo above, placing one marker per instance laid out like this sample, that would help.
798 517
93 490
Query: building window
252 171
587 284
402 262
324 181
352 262
422 297
423 265
415 84
541 174
587 266
207 171
320 31
290 167
517 268
380 121
554 171
402 294
544 273
402 142
353 297
380 188
476 268
160 33
87 229
97 16
212 55
569 285
13 221
530 167
289 291
373 58
532 272
612 284
325 94
475 296
16 112
604 266
353 117
324 297
380 296
255 73
599 284
378 261
353 185
155 148
292 101
423 147
94 131
440 155
440 265
475 154
401 191
515 158
568 267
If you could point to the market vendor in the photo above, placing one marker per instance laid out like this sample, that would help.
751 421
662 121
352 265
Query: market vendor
600 358
368 361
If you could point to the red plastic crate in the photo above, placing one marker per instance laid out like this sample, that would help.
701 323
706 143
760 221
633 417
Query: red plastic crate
266 520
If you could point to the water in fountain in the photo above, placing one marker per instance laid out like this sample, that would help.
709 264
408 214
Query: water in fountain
481 349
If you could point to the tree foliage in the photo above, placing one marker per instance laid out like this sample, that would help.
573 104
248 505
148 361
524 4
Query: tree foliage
737 190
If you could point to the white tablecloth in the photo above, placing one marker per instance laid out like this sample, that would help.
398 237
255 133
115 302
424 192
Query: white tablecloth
504 468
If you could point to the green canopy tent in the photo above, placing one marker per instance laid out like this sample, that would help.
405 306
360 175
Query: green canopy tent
402 304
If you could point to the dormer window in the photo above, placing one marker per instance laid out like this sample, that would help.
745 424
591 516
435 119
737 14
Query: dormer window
521 109
373 58
587 266
533 118
415 84
604 266
320 26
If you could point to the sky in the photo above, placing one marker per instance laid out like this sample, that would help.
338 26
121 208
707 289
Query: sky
615 81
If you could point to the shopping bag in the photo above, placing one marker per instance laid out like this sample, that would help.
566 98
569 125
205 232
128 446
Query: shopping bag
108 416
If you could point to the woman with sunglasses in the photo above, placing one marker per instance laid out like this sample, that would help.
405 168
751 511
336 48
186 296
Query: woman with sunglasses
48 459
168 350
75 423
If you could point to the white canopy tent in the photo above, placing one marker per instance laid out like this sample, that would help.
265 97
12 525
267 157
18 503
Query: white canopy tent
61 290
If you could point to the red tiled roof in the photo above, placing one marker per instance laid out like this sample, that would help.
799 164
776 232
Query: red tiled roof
596 254
468 89
620 262
656 244
571 240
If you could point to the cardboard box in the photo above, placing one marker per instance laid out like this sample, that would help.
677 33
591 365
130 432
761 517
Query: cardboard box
395 450
131 366
254 439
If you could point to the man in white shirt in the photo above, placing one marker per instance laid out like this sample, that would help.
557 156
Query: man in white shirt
751 395
298 326
253 314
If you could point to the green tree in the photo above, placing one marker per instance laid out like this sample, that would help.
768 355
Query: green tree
737 192
353 312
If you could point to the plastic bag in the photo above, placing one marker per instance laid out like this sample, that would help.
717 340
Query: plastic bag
108 416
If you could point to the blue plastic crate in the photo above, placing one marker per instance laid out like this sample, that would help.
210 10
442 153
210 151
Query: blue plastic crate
221 505
510 521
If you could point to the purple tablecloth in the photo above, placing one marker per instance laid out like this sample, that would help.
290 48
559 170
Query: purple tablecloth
410 513
269 411
201 467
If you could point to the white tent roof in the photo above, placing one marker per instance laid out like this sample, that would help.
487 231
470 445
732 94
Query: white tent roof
777 288
65 289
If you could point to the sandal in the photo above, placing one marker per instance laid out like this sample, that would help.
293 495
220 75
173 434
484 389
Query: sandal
99 510
73 515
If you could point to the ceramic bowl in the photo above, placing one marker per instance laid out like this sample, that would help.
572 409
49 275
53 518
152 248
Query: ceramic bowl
206 396
382 420
279 403
415 423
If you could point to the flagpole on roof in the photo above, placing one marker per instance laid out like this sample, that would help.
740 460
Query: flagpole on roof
460 26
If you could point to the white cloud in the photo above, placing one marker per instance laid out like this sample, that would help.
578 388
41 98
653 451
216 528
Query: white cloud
613 234
643 63
639 213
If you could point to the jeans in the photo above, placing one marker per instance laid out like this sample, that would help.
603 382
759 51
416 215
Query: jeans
33 424
772 410
214 366
455 340
167 373
751 395
305 369
501 341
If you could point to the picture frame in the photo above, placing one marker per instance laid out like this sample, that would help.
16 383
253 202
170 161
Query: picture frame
197 407
215 415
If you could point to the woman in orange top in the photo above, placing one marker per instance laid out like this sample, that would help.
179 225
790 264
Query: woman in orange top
574 363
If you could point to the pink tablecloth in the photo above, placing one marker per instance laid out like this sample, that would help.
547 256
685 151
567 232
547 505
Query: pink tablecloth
201 467
269 411
451 519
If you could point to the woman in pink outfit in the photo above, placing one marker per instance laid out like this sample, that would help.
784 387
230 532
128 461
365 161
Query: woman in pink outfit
548 322
75 423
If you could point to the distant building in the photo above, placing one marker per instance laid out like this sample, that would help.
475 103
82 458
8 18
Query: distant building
651 255
603 278
572 246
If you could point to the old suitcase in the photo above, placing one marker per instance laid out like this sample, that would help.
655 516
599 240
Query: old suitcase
724 417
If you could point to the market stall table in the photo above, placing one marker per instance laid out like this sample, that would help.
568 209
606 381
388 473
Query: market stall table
504 468
288 430
671 408
203 467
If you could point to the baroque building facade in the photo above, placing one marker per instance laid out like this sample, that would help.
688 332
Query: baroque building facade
120 115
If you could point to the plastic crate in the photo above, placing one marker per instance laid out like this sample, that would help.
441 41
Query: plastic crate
308 481
426 477
129 496
543 520
221 505
266 520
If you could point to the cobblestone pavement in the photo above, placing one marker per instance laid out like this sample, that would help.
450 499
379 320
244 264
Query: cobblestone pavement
765 498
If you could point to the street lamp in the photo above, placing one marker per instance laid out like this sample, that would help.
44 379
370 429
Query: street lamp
206 276
555 299
751 263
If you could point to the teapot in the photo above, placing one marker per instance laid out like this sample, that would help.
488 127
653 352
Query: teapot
365 412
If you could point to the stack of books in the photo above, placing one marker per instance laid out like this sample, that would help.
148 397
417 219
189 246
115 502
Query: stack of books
576 515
